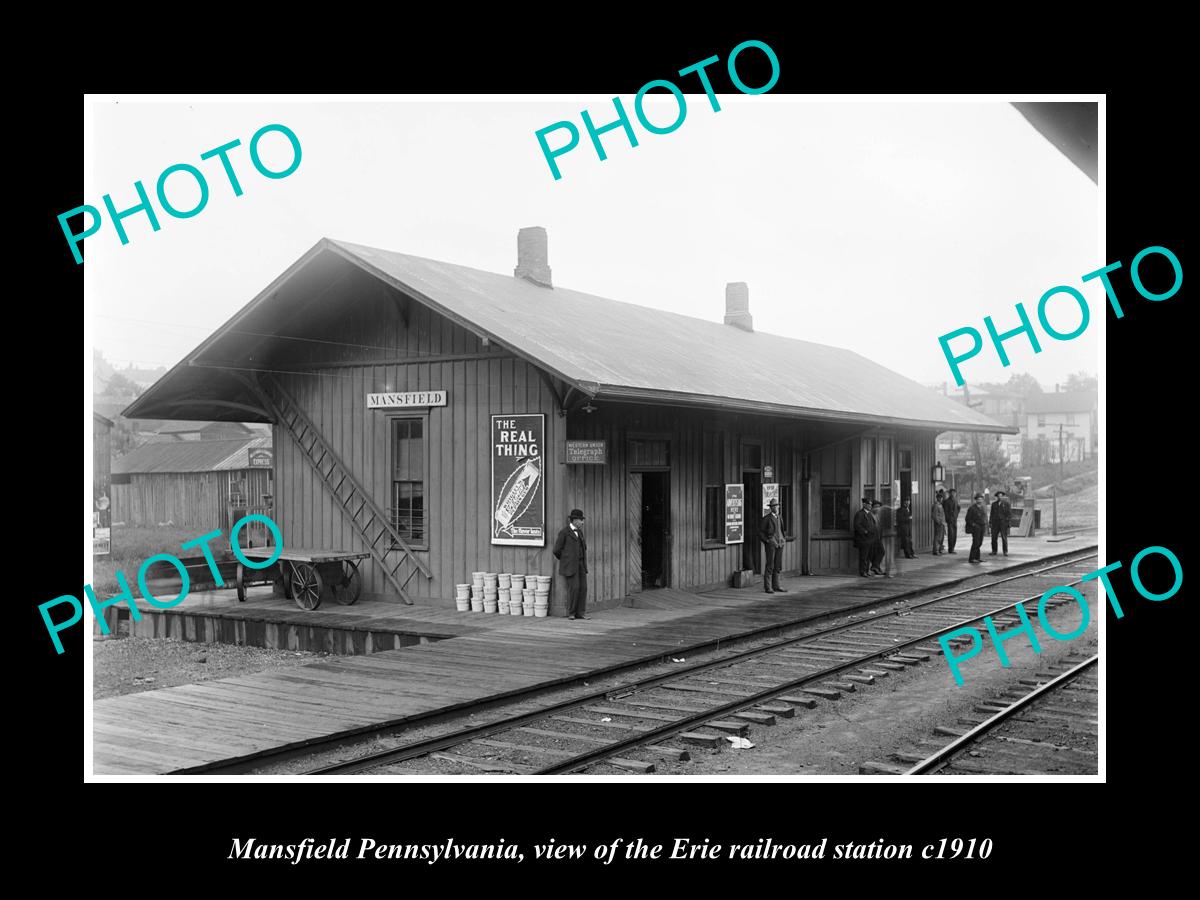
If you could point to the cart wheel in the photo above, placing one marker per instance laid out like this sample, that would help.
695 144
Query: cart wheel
346 592
307 586
241 583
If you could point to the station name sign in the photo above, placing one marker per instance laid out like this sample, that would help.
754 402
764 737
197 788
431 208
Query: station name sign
409 398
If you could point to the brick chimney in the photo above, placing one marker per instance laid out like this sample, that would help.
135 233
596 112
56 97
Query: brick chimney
533 260
737 306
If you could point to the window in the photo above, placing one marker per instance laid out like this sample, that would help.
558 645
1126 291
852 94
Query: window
835 509
237 490
751 456
877 469
1070 418
885 471
643 452
1041 420
408 479
714 489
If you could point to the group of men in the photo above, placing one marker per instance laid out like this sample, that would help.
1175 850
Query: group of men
870 524
945 511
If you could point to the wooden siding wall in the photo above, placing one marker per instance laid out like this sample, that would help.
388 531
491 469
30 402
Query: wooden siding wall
193 500
600 490
101 456
190 500
458 461
415 349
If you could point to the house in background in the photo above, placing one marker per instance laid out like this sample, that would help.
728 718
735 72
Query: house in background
956 449
1062 425
193 485
204 431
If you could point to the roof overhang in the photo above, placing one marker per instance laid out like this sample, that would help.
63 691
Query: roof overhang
208 385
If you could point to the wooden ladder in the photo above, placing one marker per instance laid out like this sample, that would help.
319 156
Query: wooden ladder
393 554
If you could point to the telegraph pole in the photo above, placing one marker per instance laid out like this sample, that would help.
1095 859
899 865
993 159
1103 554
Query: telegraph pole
975 442
1060 453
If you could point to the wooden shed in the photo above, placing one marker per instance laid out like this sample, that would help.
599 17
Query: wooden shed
195 485
446 419
101 484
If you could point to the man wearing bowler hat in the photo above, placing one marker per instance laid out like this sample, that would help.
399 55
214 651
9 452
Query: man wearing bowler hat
570 549
976 525
865 532
1001 518
770 532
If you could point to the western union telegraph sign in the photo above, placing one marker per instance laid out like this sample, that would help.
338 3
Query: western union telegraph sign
411 398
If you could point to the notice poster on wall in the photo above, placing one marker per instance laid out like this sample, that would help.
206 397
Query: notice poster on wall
735 528
518 496
770 492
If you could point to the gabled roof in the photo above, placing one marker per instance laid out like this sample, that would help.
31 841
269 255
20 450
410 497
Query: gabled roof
1061 402
604 348
189 456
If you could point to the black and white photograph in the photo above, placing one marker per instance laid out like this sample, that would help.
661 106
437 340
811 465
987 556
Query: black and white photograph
699 433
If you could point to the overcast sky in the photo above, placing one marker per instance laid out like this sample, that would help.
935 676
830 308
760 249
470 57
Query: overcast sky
876 227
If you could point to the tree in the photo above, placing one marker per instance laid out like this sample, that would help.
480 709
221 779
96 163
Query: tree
992 467
1082 381
1023 384
121 387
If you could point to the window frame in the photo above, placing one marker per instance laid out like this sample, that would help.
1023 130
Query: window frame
835 531
706 542
423 417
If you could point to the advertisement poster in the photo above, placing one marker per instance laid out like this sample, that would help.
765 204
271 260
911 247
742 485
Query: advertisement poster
518 500
769 492
735 529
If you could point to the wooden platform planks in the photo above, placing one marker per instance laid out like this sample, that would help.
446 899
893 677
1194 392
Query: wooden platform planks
175 728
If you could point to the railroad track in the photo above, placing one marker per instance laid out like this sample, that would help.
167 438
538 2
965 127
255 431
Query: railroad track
1045 725
704 704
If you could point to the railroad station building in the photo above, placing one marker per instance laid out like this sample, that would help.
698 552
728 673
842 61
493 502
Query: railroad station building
446 419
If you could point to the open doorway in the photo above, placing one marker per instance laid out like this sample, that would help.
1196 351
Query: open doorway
751 549
649 551
655 529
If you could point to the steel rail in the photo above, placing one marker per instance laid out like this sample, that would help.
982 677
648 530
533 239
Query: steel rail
935 762
462 736
327 742
654 735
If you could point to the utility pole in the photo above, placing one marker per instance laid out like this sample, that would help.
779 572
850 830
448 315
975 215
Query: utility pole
1060 453
975 441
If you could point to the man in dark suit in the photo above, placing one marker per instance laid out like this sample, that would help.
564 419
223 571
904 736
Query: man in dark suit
937 511
904 528
877 550
770 532
950 505
570 549
1001 519
865 533
976 525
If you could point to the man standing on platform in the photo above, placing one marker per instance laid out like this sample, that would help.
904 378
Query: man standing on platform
570 549
904 528
976 525
950 505
938 511
877 551
865 531
1001 519
770 531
